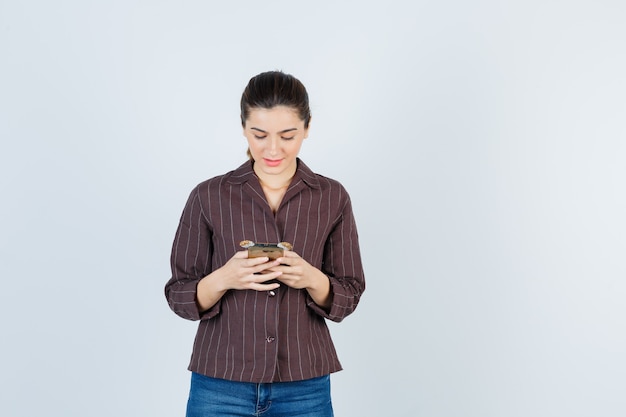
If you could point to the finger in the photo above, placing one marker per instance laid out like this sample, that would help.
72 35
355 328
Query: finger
257 261
264 266
288 260
265 287
241 254
260 278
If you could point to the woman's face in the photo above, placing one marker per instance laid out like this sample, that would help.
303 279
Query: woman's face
275 136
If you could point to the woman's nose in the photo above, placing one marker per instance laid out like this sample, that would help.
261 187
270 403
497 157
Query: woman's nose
273 146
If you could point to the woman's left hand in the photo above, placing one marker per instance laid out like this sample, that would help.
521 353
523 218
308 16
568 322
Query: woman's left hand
299 274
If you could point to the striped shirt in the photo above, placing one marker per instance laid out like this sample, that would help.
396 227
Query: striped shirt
267 336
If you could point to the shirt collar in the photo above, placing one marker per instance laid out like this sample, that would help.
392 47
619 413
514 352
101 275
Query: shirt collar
245 173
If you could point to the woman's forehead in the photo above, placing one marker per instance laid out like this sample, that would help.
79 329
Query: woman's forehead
280 117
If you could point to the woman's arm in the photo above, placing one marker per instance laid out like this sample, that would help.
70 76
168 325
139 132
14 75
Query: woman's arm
336 289
342 264
190 260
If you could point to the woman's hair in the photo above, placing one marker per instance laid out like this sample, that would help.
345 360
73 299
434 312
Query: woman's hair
275 88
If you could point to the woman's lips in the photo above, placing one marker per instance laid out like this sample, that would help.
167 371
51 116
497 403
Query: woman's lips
272 162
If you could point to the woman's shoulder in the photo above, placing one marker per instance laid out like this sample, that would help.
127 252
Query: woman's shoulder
329 182
235 176
323 182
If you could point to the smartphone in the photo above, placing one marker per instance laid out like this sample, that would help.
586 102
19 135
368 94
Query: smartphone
272 250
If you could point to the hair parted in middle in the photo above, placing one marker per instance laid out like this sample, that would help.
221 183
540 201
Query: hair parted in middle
275 88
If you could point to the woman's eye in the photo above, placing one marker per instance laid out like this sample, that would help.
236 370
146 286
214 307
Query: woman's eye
289 138
260 137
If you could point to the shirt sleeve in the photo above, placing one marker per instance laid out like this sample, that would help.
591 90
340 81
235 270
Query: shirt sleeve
190 261
342 264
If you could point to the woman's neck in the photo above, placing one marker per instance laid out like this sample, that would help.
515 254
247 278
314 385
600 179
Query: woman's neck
274 188
275 182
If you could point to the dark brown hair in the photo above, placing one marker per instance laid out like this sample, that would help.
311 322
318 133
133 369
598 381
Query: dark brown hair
275 88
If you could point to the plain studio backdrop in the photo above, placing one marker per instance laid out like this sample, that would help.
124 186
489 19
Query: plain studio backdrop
483 144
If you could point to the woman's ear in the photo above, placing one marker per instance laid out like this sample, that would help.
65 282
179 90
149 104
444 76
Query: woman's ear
306 129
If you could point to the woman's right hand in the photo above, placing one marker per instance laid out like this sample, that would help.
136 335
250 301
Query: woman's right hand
243 273
239 273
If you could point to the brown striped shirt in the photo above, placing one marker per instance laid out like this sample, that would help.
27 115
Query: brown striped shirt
256 336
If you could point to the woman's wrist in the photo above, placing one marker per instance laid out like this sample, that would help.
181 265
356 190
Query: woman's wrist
319 290
209 291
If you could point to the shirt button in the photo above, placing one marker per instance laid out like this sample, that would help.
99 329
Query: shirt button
271 293
270 339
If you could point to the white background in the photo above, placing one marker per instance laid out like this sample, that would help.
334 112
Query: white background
483 145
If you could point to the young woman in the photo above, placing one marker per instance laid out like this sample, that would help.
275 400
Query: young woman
262 346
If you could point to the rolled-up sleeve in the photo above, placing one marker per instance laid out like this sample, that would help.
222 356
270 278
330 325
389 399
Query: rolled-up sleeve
343 266
190 261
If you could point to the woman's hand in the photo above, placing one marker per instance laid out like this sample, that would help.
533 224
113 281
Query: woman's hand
243 273
296 272
239 273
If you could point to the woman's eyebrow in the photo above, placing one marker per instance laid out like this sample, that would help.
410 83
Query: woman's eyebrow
282 131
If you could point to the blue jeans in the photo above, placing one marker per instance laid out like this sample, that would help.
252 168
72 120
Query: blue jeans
211 397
